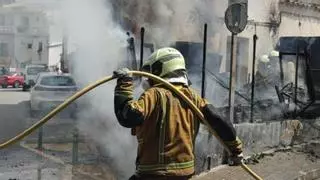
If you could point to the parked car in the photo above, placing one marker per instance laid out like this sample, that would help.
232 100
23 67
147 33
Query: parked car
3 70
13 79
49 91
31 72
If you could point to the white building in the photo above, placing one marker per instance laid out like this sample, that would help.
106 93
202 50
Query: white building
24 36
269 19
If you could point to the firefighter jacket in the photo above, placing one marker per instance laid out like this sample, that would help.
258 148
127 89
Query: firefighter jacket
165 128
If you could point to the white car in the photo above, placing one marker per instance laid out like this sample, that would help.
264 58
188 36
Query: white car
49 91
31 73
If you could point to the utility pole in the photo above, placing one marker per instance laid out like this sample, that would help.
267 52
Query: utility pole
236 18
204 62
255 38
64 57
232 78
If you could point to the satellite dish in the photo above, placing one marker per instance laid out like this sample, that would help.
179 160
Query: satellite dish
236 17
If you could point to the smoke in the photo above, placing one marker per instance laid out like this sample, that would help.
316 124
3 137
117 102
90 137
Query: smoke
168 21
99 43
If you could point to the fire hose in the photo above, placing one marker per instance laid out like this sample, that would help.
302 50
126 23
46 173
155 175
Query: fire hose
88 88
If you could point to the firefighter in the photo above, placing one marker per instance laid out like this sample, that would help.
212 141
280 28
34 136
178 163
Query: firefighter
163 123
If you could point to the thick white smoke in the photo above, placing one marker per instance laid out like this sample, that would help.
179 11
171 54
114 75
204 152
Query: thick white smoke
99 43
167 21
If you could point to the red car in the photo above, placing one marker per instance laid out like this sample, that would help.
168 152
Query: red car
12 79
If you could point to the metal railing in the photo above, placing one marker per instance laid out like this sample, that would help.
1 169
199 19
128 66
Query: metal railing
45 135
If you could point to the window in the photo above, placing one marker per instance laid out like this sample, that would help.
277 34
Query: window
25 21
9 20
2 20
3 71
29 45
36 70
24 24
57 81
4 49
40 45
12 74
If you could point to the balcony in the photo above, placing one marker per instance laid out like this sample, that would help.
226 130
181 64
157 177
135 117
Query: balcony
7 30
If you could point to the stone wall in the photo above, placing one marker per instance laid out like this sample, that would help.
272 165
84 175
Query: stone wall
256 138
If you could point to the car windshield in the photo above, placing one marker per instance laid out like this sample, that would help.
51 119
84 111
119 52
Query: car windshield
35 70
3 71
57 81
12 73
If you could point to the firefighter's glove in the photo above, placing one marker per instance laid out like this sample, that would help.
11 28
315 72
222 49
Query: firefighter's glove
122 73
235 160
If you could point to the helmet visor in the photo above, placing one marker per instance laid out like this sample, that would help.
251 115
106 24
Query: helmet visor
146 68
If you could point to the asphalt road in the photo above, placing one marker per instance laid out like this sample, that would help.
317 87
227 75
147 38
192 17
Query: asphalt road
14 112
17 162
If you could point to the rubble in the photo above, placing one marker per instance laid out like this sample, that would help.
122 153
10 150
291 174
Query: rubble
270 165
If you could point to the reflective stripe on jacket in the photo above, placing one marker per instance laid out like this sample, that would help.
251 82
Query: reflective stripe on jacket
168 129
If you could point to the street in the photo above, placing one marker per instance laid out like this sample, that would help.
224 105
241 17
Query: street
17 162
14 112
23 161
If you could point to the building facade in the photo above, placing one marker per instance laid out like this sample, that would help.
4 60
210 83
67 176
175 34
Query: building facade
24 37
269 20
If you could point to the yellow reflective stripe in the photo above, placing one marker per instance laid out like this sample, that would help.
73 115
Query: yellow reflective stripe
123 92
124 95
162 127
236 142
171 166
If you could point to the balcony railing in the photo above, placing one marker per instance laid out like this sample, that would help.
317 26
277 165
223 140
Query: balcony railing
6 29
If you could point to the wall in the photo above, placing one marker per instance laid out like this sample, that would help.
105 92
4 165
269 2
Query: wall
258 11
299 26
25 55
295 21
256 138
23 30
36 32
9 40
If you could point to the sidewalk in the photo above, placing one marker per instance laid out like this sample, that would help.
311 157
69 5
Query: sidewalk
88 168
299 163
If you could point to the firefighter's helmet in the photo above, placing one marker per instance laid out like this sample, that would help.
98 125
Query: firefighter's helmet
164 61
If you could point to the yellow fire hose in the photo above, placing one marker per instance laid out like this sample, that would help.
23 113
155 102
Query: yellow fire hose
107 79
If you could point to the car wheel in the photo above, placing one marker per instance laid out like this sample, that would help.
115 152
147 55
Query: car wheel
24 88
16 84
